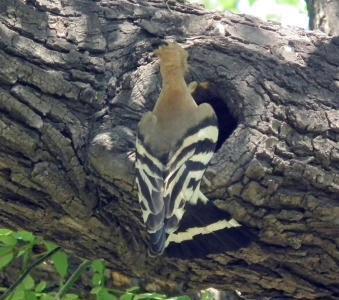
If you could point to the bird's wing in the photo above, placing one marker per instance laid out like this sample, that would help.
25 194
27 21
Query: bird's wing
187 164
150 170
164 188
195 229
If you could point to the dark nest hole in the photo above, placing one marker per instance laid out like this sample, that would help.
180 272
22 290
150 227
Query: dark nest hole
227 123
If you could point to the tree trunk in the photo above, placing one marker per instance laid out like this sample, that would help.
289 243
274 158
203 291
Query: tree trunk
76 77
324 15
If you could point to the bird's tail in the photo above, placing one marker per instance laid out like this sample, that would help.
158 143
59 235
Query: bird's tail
157 242
204 230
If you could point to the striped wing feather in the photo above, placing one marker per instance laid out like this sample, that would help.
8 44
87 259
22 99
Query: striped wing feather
165 186
150 172
150 182
186 168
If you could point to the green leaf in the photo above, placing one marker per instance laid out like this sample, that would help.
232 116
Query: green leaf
103 294
149 295
27 256
22 252
98 266
230 4
8 239
207 295
18 295
95 290
41 286
4 231
47 297
25 236
50 246
28 283
251 2
60 260
30 295
289 2
133 289
126 296
71 297
97 280
180 298
6 259
5 250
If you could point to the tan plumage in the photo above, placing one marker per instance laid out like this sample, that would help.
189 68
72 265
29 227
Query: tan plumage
175 111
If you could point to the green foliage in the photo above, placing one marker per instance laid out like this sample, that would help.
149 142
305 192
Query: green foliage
25 248
207 295
99 273
25 291
41 286
232 5
288 2
6 257
7 238
60 261
103 293
288 12
25 236
13 245
71 297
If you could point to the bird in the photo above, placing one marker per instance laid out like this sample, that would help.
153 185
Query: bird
174 145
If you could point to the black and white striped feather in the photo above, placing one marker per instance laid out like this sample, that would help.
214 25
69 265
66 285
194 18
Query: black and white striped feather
168 182
177 216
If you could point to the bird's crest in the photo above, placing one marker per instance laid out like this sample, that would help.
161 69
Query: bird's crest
173 56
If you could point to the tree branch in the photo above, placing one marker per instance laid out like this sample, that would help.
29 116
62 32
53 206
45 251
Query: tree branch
76 78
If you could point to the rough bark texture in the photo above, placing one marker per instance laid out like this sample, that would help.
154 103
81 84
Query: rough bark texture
75 78
324 15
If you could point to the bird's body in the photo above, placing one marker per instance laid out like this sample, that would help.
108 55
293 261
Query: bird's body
175 104
174 145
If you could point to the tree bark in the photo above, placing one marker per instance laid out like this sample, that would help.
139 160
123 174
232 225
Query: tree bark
324 15
76 77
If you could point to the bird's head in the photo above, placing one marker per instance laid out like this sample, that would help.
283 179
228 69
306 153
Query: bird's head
172 57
